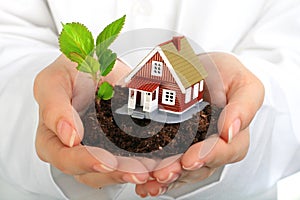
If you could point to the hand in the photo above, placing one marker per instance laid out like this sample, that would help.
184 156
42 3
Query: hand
241 94
60 130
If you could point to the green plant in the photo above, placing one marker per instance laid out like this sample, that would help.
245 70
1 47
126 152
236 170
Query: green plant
77 43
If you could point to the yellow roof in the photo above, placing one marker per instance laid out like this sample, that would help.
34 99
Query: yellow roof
184 61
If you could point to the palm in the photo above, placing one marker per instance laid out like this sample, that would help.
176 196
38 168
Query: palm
229 85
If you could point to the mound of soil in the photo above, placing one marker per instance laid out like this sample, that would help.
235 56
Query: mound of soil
126 136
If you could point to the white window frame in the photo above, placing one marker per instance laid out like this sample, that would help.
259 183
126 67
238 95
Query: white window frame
196 91
188 95
157 68
167 96
201 85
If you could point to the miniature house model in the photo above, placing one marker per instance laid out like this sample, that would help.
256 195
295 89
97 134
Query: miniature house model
170 78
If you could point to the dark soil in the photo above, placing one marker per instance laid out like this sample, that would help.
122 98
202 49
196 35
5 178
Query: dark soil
126 136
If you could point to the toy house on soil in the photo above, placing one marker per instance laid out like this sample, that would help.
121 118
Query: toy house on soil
169 79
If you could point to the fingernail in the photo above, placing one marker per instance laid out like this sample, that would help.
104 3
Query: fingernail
130 178
196 165
136 180
102 168
234 129
161 191
72 139
66 133
143 195
170 179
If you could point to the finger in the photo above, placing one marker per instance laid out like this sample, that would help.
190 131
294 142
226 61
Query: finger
244 94
83 92
53 92
151 188
215 152
214 90
233 87
135 171
188 177
149 163
241 108
98 180
168 170
75 160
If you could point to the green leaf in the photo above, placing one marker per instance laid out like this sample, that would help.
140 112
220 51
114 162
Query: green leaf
75 57
107 61
89 65
109 34
76 41
105 91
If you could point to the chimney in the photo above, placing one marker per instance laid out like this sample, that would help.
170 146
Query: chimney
177 42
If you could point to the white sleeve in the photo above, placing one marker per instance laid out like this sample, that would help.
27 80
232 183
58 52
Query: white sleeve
271 50
27 44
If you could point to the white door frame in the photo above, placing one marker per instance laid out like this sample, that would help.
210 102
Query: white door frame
147 101
149 104
132 98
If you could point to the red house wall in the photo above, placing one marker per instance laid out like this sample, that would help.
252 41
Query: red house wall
166 82
145 71
192 101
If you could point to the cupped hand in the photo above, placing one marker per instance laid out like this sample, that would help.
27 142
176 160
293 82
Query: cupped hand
233 87
60 129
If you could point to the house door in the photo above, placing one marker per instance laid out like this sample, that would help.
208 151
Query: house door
138 98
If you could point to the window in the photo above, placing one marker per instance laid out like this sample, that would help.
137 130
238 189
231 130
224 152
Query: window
157 68
188 94
168 97
201 86
196 91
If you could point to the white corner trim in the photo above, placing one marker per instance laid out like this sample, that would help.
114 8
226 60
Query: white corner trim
170 111
141 64
171 69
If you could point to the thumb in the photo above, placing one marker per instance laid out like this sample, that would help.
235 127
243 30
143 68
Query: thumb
244 97
53 92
